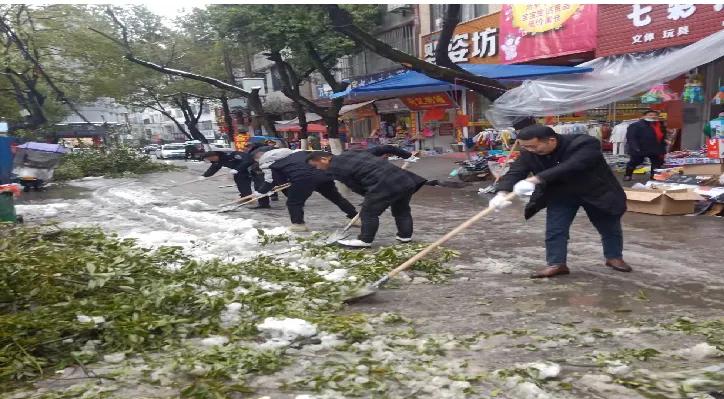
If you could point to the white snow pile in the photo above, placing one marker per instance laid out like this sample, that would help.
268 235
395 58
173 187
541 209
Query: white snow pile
699 352
193 205
283 331
231 316
334 275
42 210
215 340
542 370
90 319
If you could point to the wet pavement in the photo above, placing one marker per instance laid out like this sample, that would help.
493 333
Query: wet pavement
678 272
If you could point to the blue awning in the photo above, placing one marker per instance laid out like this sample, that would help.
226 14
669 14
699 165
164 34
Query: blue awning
410 82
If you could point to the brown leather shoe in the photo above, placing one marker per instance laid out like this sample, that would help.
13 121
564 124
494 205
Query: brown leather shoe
551 271
618 265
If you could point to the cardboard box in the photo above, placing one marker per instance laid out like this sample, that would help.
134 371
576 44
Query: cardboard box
708 169
657 201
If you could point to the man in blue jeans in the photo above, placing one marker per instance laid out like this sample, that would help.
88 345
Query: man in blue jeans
568 172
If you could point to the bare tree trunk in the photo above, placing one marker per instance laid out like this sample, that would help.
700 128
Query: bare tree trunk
28 56
228 120
254 102
343 22
303 126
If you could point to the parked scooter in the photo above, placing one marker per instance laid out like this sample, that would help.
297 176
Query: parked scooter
34 164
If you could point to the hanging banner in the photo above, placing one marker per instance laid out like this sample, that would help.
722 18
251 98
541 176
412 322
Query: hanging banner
428 101
632 28
535 31
475 42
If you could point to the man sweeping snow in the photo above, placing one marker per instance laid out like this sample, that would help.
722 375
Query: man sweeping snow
383 185
284 165
243 164
569 172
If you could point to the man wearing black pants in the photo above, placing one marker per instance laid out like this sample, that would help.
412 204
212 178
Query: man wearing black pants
646 138
569 172
383 186
242 163
284 165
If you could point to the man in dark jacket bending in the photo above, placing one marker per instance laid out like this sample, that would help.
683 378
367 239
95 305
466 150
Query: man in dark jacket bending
284 165
569 172
243 164
646 138
381 183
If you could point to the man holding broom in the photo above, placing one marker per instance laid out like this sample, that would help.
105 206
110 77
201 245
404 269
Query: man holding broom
243 164
284 165
383 186
568 172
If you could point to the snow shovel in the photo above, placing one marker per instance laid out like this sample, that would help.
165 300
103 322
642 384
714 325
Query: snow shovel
251 198
342 234
372 289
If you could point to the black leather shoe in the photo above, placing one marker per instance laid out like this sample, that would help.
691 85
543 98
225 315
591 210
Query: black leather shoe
551 271
618 265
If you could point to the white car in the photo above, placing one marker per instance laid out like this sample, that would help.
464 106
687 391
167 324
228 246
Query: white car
171 151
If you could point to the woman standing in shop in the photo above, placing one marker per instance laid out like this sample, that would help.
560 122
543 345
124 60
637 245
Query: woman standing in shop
646 138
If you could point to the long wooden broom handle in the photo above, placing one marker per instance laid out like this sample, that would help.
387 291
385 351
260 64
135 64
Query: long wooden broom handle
274 190
196 180
464 225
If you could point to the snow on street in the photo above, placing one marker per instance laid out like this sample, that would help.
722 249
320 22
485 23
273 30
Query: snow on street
594 334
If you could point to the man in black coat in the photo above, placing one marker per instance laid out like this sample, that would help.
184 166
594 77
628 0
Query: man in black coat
646 138
569 172
388 151
284 165
381 183
243 163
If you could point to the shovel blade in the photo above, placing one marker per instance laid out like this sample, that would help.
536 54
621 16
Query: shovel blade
360 294
336 236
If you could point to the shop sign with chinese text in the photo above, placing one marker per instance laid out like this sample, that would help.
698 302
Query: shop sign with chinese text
474 42
428 101
534 31
633 28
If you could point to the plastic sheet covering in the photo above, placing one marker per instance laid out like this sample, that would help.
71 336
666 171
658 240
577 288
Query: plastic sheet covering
613 78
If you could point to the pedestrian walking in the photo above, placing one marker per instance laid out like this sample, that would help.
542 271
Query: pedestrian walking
243 164
569 172
646 138
383 186
284 165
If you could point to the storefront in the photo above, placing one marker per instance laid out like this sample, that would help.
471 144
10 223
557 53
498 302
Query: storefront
474 42
548 34
637 28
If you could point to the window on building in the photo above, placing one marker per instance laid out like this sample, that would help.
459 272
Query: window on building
205 125
437 11
467 12
472 11
275 80
361 128
149 133
147 121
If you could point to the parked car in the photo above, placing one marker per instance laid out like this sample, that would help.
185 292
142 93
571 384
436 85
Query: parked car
150 149
168 151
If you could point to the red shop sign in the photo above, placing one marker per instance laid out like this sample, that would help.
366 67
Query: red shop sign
428 101
633 28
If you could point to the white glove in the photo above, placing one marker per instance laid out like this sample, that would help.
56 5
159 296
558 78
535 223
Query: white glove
499 202
523 188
